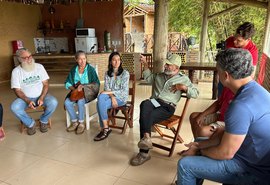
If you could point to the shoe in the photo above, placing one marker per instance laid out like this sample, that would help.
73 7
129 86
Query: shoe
73 127
139 159
104 133
145 143
43 127
2 134
80 128
32 130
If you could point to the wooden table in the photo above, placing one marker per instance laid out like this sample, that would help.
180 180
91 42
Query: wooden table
192 66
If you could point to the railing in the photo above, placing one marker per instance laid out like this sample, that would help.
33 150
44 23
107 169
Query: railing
149 60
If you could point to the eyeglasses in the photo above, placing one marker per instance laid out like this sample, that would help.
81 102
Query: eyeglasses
26 58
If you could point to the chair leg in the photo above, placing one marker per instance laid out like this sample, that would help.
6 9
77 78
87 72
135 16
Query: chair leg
22 127
87 113
131 117
67 119
179 138
50 123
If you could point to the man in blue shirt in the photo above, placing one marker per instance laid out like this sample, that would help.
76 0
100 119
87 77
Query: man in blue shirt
240 154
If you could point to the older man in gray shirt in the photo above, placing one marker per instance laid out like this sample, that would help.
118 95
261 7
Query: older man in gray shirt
167 89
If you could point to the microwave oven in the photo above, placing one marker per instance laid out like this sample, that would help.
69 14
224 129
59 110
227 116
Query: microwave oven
85 32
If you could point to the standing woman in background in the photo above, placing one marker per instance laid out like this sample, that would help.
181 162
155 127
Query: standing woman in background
2 133
115 94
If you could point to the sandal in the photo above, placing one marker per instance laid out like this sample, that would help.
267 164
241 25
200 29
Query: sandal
104 133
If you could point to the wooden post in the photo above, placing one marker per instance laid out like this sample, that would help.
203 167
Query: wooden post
204 30
160 34
267 31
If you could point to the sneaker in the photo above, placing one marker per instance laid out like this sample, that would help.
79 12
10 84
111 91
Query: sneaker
2 134
73 127
32 130
104 133
43 127
145 143
80 128
139 159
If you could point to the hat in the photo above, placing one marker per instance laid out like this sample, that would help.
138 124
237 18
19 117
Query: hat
173 59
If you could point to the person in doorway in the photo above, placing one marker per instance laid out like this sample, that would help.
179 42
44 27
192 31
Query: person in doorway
240 154
79 78
167 89
115 94
30 83
2 132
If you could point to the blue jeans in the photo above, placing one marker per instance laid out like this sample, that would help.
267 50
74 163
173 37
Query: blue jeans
103 104
18 107
193 169
71 110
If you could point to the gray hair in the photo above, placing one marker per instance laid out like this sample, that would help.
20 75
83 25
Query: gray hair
78 53
19 52
237 62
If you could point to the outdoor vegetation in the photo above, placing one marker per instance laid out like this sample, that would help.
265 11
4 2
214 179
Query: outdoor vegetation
185 16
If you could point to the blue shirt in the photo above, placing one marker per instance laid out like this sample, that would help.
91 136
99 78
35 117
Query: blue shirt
119 85
249 114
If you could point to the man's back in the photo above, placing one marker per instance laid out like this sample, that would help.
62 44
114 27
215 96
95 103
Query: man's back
249 115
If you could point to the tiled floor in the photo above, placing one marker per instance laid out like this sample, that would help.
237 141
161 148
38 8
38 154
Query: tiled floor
62 158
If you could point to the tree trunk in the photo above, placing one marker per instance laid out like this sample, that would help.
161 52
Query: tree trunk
160 34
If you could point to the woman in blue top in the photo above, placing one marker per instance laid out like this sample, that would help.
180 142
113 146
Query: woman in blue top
116 86
85 74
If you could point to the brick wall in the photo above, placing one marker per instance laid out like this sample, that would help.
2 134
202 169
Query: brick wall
101 61
130 63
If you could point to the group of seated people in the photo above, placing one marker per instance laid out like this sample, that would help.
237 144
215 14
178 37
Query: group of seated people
30 83
231 136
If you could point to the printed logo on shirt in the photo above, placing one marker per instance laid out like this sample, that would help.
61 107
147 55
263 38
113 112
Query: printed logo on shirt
31 80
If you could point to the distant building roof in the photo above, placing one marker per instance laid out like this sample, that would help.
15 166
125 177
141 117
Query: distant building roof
138 9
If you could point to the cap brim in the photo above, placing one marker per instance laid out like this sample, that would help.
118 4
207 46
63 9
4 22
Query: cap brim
166 61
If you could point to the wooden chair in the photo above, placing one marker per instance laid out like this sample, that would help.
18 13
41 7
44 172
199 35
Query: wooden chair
32 111
127 110
170 124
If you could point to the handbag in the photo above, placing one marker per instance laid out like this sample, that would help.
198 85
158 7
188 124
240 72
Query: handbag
75 94
91 91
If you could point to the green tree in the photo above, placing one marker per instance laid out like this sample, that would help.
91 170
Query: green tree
185 16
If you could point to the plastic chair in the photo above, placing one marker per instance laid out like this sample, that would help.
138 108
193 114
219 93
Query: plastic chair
88 117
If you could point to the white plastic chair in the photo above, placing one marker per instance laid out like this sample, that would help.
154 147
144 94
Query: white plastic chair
88 117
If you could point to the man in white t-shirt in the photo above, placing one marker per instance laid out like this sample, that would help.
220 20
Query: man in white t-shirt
30 83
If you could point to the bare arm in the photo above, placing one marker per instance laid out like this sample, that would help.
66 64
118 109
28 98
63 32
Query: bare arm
213 108
44 92
114 101
229 145
21 95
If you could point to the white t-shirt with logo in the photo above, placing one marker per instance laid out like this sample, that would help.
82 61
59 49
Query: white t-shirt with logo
29 82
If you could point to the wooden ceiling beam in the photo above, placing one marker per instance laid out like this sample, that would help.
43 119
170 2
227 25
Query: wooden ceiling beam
225 11
254 3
